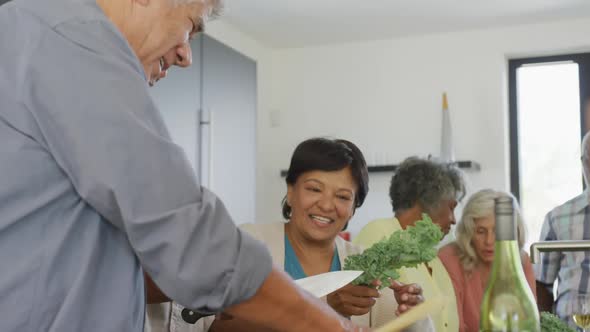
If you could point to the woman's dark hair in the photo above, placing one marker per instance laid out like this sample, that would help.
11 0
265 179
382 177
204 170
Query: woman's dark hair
425 182
325 154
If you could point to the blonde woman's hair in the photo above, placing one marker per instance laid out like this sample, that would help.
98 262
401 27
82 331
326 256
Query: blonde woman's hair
480 205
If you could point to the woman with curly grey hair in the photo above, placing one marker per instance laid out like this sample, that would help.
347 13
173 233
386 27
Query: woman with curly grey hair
423 186
469 258
426 186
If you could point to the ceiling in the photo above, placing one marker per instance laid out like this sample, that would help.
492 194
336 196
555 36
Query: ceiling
298 23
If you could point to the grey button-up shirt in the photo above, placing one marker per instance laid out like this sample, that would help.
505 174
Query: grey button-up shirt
92 188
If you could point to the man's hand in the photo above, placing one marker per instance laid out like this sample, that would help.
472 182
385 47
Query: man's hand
352 300
407 296
281 306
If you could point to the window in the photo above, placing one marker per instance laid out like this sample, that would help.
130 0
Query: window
546 96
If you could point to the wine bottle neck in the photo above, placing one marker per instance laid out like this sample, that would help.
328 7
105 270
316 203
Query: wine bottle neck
506 227
507 256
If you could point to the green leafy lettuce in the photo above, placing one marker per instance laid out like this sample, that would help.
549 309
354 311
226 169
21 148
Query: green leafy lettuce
404 248
552 323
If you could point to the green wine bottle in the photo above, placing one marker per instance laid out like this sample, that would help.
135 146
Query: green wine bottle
508 304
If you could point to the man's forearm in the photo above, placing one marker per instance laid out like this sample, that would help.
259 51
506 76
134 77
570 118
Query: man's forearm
236 324
544 297
280 305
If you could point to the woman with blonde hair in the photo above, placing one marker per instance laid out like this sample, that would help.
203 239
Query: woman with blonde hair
469 258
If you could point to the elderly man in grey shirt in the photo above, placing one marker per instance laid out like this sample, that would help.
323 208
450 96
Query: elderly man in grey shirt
93 189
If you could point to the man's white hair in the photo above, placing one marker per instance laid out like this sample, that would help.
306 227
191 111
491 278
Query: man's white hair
215 6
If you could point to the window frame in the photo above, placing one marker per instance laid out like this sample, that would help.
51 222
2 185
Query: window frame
583 61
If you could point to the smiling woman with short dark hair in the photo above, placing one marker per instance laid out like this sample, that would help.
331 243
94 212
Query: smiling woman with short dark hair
326 182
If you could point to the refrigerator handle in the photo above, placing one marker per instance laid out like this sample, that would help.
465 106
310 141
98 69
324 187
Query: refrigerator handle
203 158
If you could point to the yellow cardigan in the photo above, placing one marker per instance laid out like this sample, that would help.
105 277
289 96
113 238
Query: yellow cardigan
435 285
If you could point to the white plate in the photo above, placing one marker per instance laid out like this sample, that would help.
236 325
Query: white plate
323 284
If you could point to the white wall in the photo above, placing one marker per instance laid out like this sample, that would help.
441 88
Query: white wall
386 97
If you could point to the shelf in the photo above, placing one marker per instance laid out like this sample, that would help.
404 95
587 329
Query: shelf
467 165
